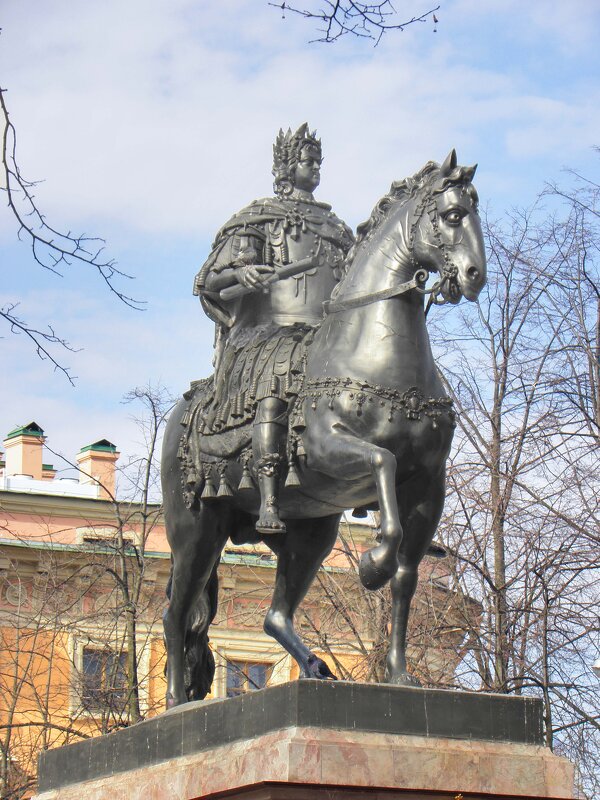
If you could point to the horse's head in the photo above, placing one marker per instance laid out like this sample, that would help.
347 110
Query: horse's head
445 231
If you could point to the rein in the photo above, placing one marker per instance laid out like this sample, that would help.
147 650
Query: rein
417 282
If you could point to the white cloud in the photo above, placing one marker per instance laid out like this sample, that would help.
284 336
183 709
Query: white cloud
161 116
562 26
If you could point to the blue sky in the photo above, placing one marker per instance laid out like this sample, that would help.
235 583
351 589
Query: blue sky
152 122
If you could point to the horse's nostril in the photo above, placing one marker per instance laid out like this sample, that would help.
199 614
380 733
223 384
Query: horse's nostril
473 273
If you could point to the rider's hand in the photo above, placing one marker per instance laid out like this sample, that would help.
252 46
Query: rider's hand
254 276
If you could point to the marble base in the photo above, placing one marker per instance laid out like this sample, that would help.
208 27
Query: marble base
310 739
305 763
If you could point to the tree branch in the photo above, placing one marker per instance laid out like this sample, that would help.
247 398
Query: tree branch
364 20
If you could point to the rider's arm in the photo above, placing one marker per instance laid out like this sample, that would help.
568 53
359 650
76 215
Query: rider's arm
238 262
215 281
221 272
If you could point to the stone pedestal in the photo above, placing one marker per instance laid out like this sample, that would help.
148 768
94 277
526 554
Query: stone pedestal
312 740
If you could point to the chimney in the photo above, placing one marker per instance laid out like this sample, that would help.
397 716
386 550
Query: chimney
23 448
48 472
97 466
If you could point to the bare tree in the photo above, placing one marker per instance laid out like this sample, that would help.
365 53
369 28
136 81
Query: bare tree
122 557
523 518
37 611
51 249
77 624
65 671
337 18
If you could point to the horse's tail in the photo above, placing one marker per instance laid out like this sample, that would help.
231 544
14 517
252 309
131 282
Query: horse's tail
199 661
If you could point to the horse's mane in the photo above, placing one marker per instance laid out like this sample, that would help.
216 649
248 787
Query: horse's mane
400 192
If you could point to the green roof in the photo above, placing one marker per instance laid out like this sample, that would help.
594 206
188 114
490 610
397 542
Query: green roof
31 429
227 557
47 466
102 446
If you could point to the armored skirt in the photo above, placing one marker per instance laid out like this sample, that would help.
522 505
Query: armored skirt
261 362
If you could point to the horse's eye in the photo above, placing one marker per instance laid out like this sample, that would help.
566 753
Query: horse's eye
454 216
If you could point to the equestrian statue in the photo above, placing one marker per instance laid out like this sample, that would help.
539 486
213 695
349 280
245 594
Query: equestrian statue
325 397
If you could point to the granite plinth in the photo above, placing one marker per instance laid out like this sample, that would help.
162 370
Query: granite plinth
386 741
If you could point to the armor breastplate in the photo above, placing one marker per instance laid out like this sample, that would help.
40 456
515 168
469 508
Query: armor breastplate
297 299
300 298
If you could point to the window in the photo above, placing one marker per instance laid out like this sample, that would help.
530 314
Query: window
104 537
246 676
103 680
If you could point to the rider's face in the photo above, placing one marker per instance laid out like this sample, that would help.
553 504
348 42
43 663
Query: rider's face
307 172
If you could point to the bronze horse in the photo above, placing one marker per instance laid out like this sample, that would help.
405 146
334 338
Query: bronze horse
372 424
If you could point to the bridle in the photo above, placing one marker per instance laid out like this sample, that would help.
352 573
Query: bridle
448 273
449 270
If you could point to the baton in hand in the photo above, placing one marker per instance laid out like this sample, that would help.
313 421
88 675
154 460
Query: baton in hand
283 271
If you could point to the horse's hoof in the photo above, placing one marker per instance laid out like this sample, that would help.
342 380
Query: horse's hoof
377 567
172 702
405 679
317 668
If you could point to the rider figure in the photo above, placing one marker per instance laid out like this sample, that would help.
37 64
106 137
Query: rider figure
261 331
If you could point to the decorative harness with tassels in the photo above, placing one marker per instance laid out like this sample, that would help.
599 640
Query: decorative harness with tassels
419 279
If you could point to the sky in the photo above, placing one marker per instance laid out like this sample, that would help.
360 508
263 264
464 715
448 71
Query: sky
152 122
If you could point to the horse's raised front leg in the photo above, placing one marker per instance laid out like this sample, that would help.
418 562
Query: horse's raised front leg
300 552
346 457
421 504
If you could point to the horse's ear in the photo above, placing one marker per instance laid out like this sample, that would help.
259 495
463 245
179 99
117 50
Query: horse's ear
449 164
468 173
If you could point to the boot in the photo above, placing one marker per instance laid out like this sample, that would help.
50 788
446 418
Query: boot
268 469
267 435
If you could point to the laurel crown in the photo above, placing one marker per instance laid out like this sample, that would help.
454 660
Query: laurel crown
287 152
